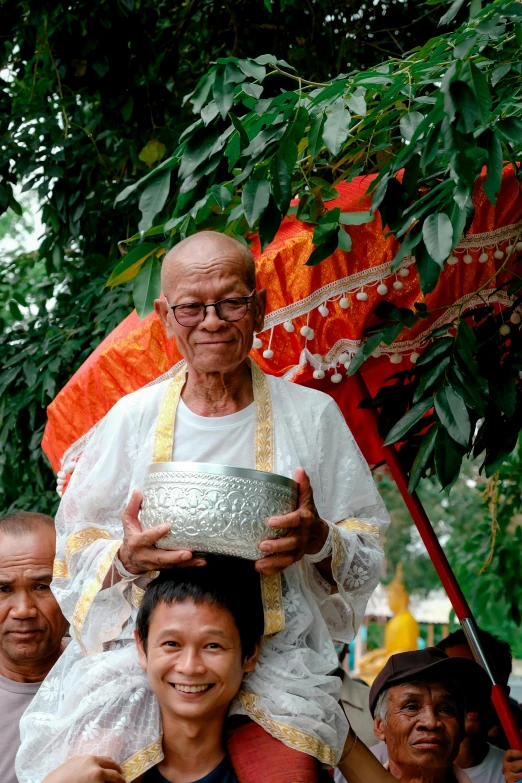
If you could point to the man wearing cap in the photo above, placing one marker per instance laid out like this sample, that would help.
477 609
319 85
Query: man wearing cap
418 703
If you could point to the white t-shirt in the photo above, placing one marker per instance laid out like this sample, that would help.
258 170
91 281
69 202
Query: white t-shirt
222 440
488 771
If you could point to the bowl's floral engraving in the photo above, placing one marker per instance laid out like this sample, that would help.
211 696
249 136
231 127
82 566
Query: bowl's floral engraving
214 513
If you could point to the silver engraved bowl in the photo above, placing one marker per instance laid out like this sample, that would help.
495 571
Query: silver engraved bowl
215 508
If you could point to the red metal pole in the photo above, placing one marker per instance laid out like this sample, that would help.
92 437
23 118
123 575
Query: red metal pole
446 576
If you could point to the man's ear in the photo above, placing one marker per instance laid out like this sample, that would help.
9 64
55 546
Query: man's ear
260 305
378 729
249 664
162 311
142 655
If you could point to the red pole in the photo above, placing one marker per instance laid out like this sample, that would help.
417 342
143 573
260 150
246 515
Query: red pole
446 576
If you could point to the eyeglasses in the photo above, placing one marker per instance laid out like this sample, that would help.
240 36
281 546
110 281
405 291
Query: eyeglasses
194 313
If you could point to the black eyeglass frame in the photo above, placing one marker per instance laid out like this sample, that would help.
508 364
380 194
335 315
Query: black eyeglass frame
215 305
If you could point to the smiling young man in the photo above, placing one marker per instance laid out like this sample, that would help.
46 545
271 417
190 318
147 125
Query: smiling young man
197 639
418 703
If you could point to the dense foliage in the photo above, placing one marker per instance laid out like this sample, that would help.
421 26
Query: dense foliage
90 98
440 113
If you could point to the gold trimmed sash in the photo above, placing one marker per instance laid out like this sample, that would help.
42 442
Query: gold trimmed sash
271 586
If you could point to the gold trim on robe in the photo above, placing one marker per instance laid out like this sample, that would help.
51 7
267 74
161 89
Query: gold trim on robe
271 586
143 760
294 738
359 526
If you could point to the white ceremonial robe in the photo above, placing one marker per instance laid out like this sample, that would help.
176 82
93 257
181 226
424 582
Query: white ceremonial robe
96 699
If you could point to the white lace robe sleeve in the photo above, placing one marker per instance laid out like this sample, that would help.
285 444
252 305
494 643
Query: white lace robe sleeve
346 496
89 529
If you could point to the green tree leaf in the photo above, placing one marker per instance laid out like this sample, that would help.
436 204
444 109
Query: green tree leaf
325 249
430 375
435 350
147 287
335 130
131 263
451 13
407 421
315 137
280 184
448 458
494 166
269 223
510 129
471 74
223 93
256 194
453 415
428 269
364 352
437 233
326 225
409 124
153 200
222 195
421 460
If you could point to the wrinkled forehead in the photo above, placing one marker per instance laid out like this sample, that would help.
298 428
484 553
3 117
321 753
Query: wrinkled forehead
424 690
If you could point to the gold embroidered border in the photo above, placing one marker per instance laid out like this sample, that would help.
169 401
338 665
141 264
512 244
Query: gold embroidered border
337 548
271 586
164 437
143 760
137 594
60 570
273 609
264 421
84 538
294 738
88 595
358 526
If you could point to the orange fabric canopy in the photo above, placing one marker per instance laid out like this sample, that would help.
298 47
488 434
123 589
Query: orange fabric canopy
137 352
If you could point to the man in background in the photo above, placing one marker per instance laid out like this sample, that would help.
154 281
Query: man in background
31 622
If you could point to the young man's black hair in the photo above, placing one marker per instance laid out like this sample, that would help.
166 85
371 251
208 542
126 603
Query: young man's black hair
225 581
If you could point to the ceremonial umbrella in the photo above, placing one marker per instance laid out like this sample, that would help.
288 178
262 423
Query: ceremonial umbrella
314 326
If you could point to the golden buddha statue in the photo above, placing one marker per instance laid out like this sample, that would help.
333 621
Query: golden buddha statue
400 633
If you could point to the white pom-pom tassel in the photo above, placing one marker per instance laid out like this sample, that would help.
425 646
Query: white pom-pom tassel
62 474
318 375
376 353
467 258
347 365
452 260
404 272
505 329
303 331
483 257
268 353
336 377
515 318
414 356
289 327
398 285
323 310
382 289
311 333
519 245
362 296
510 248
343 358
344 303
499 255
257 343
395 358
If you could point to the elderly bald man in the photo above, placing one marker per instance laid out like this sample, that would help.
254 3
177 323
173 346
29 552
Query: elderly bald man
218 408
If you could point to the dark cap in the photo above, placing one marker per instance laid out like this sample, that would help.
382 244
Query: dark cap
431 664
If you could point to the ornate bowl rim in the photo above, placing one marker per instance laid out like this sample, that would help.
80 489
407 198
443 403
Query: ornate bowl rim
221 470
